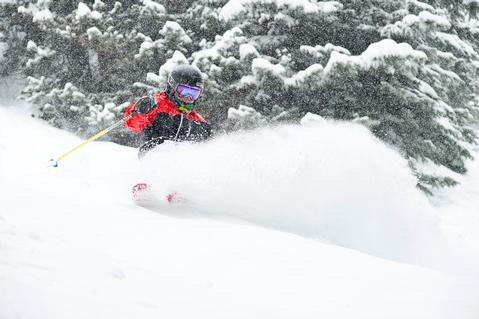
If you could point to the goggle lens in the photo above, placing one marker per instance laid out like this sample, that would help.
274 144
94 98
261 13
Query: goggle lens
185 91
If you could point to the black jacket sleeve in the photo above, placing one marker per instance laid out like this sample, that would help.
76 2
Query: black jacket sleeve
199 131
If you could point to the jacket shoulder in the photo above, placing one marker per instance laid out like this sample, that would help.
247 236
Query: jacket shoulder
194 116
165 105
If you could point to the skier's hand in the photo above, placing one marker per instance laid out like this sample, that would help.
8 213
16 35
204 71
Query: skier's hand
145 105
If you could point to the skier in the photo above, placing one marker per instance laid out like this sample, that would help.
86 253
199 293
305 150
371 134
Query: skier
170 115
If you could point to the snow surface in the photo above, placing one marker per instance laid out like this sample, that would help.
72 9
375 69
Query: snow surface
234 7
314 221
247 50
375 53
421 5
93 33
154 6
471 2
424 17
221 47
42 15
84 11
454 41
173 27
39 53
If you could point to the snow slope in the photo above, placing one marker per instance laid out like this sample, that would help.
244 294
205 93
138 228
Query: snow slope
288 222
328 181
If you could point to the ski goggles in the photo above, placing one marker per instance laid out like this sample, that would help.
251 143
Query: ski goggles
185 91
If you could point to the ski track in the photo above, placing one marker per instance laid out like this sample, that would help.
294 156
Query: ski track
74 245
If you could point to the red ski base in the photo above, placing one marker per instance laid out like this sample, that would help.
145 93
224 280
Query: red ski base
142 193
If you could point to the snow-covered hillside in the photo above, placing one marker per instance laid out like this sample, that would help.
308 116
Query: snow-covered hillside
287 222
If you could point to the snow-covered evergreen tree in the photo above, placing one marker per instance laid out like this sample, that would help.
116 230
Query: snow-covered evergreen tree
15 30
94 51
417 96
406 69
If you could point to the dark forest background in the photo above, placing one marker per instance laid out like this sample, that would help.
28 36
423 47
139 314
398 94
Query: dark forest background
408 70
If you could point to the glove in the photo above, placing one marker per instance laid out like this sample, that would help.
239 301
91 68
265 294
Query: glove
145 105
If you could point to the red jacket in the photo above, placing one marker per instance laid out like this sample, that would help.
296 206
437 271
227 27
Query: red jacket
164 105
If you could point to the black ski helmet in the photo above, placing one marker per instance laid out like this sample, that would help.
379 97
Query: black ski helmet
184 74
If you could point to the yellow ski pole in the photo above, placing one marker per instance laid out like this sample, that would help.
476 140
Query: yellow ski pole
54 163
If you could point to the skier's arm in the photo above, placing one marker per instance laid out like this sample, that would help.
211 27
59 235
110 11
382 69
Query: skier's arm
200 131
141 113
206 130
143 106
